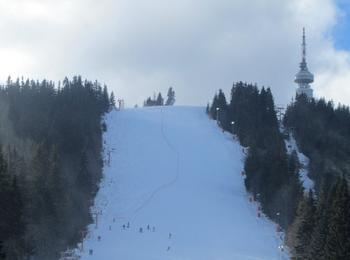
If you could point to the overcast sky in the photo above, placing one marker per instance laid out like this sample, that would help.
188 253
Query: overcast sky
138 47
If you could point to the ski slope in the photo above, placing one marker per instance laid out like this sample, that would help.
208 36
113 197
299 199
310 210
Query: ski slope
291 145
173 169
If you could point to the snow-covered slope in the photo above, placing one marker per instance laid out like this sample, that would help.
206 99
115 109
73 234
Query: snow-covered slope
291 145
173 169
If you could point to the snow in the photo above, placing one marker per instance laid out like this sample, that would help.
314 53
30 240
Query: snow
173 169
291 146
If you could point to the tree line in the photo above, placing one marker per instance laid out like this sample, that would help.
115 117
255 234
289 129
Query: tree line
322 227
317 225
159 100
50 163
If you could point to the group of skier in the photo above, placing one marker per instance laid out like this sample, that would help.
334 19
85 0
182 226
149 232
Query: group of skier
153 229
127 226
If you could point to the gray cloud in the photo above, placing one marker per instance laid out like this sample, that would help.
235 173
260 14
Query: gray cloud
137 47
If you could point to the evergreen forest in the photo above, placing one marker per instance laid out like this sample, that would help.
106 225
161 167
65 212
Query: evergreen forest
316 222
50 163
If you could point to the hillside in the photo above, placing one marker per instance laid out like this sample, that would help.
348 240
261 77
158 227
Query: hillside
50 163
173 169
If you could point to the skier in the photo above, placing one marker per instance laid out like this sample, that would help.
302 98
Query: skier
128 225
154 229
99 238
90 251
148 228
169 235
110 227
168 248
113 220
124 226
141 230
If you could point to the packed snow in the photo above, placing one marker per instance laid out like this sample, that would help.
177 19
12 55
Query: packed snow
173 189
291 146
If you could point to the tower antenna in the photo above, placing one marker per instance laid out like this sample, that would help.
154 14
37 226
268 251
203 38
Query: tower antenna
304 47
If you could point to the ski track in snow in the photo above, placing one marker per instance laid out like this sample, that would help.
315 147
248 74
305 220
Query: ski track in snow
173 169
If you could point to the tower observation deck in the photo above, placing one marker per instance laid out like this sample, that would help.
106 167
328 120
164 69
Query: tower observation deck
304 77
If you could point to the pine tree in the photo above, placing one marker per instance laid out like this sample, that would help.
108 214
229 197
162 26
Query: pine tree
55 181
171 97
316 248
2 253
338 238
147 102
222 112
105 99
12 226
5 202
214 106
160 100
112 101
292 191
15 212
40 195
268 112
84 179
305 226
253 172
17 209
221 100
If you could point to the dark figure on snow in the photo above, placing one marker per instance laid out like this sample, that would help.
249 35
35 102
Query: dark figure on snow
128 225
91 252
141 230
